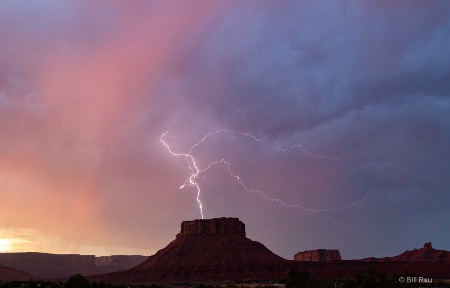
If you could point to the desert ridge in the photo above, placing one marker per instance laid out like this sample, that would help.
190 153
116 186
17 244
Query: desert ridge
425 254
10 274
54 266
217 250
214 250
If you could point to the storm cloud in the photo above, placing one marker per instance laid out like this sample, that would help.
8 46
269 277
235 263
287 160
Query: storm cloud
88 87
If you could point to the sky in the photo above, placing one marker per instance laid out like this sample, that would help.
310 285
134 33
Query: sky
320 124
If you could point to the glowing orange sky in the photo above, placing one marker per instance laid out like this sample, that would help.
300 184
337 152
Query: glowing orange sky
78 98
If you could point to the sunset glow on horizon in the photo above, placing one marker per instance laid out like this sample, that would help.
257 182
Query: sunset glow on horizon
5 245
337 116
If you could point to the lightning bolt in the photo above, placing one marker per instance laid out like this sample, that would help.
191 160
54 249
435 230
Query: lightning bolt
192 165
196 172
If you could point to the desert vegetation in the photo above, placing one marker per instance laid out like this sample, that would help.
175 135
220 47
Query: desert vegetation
296 279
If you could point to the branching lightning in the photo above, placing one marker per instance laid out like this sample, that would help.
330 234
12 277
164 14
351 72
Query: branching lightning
196 172
192 167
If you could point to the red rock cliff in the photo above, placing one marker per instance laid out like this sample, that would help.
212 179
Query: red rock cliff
206 251
426 254
318 255
216 226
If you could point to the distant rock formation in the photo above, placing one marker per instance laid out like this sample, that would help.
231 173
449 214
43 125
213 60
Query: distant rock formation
205 251
427 246
426 254
50 266
318 255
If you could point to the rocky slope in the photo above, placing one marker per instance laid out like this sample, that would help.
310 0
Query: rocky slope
207 250
217 250
426 254
10 274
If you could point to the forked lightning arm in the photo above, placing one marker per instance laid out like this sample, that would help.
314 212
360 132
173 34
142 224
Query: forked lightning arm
195 171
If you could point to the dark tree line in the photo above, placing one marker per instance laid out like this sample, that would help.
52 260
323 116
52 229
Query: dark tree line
366 279
296 279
